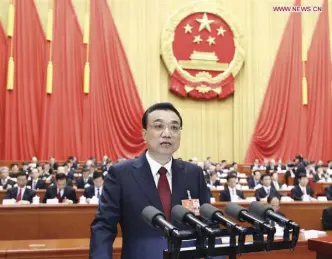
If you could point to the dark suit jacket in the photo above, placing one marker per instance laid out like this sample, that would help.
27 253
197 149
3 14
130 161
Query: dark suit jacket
226 196
297 193
41 184
69 193
128 188
89 192
27 196
251 182
9 182
261 193
216 183
328 193
80 182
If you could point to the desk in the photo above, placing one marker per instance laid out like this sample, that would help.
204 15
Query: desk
246 193
322 246
41 194
79 249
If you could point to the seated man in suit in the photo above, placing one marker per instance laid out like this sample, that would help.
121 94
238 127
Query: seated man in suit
35 183
14 170
52 179
328 192
231 193
85 181
21 193
5 181
266 190
302 191
64 193
254 179
320 175
213 180
97 188
275 181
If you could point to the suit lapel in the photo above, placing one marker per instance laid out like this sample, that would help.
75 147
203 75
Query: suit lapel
178 181
143 176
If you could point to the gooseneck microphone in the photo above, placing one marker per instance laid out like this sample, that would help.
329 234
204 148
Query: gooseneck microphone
211 213
241 214
157 219
186 217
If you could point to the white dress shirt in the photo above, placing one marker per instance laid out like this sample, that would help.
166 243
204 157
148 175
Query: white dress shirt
34 184
267 190
155 166
276 185
233 194
61 192
100 191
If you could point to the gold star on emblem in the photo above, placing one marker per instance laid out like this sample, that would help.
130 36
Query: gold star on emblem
197 39
211 40
221 31
187 28
205 23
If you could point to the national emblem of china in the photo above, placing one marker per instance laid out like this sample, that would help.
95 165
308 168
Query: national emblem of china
201 46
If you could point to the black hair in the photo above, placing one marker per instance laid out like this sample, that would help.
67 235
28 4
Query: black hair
254 172
223 161
265 175
302 176
97 175
60 176
231 176
234 163
22 174
165 106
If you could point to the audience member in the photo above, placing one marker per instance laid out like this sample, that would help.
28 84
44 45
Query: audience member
275 181
328 193
85 181
64 193
35 183
21 192
97 188
6 182
254 180
302 191
231 193
266 190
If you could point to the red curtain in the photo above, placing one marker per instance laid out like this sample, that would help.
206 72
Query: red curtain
319 76
280 130
3 79
62 119
23 104
112 110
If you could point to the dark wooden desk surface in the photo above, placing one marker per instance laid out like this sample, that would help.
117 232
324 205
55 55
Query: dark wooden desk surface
322 246
79 248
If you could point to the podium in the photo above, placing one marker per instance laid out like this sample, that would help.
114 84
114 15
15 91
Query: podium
322 246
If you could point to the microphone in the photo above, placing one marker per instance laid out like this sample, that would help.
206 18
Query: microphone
157 219
267 213
241 214
186 217
211 213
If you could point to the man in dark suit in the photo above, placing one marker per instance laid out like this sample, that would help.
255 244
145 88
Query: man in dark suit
231 193
328 193
302 191
85 181
35 183
97 188
275 181
5 181
64 193
213 181
156 179
21 192
266 190
254 179
53 165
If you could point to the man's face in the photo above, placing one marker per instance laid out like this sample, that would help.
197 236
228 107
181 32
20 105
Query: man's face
15 169
275 177
231 182
275 204
214 177
21 181
98 182
4 173
304 181
218 167
46 167
86 174
34 160
235 166
256 161
61 184
163 133
257 176
267 181
52 160
35 173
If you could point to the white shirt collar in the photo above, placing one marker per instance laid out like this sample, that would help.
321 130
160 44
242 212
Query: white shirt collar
155 166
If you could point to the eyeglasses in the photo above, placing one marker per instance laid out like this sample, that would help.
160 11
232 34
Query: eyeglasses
160 127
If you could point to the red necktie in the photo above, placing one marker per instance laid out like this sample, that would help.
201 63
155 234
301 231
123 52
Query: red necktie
59 196
19 196
164 192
